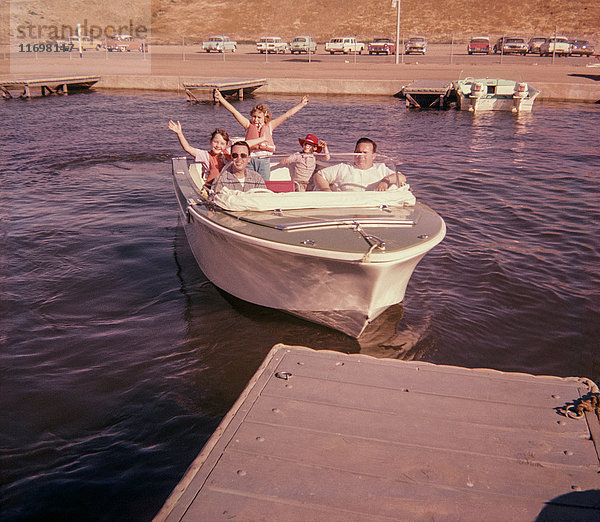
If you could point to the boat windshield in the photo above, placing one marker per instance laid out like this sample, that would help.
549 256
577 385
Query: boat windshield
301 180
345 172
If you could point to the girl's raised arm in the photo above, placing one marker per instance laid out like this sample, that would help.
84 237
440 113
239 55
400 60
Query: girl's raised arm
243 121
176 128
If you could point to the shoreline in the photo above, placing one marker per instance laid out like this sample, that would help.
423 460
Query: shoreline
168 68
553 91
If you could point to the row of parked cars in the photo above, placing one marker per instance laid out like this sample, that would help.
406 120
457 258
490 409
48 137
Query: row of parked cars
117 43
305 44
544 46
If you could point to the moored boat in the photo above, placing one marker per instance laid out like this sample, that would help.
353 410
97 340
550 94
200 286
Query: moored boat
494 94
334 258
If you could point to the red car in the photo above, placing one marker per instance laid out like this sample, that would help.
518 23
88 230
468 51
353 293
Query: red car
479 44
382 45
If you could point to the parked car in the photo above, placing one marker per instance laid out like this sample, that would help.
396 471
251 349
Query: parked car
416 44
479 44
510 45
86 43
219 44
271 44
581 48
123 43
558 45
533 45
345 44
382 45
303 44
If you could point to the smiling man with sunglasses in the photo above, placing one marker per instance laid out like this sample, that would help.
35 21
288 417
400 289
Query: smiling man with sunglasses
238 176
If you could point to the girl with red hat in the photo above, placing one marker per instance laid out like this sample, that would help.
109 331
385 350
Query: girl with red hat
304 162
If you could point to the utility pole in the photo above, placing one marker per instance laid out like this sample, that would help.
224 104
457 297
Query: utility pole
79 40
396 4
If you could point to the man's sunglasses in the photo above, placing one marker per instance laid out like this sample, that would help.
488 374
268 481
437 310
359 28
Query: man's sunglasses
242 155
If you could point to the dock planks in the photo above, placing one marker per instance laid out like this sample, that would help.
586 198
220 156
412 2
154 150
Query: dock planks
47 86
227 86
322 435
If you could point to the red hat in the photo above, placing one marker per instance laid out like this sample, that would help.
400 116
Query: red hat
312 140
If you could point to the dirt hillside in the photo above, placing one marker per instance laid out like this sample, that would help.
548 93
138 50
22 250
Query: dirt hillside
248 20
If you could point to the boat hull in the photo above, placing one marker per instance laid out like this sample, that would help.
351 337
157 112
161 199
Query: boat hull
499 95
342 290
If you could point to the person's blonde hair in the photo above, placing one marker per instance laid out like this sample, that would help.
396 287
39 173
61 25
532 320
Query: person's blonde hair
261 107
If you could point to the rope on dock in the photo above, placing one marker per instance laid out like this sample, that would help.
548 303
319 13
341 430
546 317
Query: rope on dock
587 403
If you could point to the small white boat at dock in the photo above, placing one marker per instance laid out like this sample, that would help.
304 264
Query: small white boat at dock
334 258
494 94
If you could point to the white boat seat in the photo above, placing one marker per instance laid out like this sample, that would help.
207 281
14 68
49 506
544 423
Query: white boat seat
280 174
196 174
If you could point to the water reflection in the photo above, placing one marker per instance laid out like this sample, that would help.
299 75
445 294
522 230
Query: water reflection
103 295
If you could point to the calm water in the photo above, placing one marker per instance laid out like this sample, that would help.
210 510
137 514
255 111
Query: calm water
119 358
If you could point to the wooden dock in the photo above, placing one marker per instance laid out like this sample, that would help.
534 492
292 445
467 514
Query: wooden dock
320 435
428 94
228 87
47 86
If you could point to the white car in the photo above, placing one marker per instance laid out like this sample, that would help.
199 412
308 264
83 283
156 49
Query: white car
511 45
556 45
86 43
271 44
346 45
416 44
303 44
219 44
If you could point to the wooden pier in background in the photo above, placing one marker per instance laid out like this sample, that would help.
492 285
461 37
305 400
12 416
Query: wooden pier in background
321 435
47 86
228 87
428 94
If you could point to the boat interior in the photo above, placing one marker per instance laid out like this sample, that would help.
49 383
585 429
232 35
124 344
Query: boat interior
281 178
281 193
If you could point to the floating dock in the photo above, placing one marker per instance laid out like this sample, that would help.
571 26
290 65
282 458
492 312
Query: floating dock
47 86
428 94
321 435
228 87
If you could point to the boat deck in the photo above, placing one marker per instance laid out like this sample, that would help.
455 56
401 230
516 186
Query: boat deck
320 435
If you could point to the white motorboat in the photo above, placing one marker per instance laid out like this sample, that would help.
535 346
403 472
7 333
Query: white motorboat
334 258
494 94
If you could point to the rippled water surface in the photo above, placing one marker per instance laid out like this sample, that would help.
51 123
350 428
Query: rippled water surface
119 358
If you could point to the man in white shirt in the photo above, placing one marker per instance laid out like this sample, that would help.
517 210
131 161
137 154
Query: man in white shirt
363 175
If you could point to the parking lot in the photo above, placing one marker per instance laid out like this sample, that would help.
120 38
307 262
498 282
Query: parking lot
436 54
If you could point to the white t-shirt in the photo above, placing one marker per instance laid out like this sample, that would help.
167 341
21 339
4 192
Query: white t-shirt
348 178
